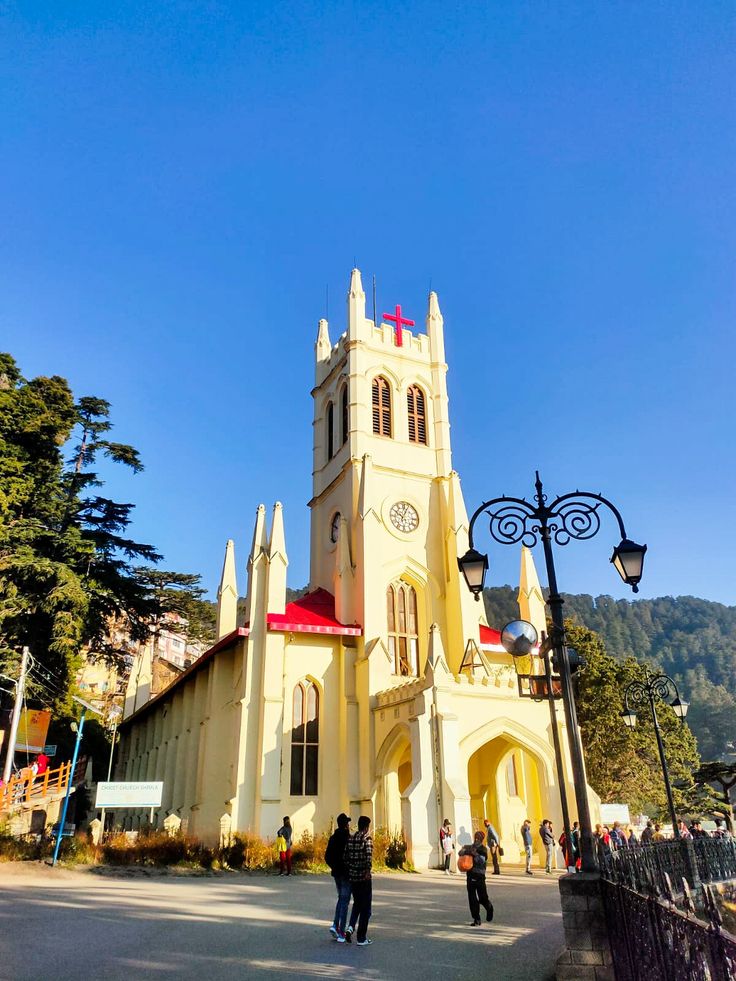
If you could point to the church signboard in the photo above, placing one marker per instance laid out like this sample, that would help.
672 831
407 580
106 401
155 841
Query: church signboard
138 794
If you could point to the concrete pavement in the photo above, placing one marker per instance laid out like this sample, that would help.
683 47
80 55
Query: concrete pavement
63 925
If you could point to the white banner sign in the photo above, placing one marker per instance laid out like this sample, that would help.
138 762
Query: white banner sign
141 794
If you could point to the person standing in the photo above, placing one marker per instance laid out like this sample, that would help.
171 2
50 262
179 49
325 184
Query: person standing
526 837
575 841
447 844
475 879
647 834
494 844
720 831
359 862
617 836
335 858
548 840
283 841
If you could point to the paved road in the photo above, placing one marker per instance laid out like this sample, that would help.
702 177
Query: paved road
62 925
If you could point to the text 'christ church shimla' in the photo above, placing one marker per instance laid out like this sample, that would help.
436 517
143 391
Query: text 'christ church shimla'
382 691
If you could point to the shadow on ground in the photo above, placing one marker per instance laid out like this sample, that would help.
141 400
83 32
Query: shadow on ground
68 925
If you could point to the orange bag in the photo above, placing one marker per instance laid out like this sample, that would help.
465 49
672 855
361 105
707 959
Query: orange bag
465 863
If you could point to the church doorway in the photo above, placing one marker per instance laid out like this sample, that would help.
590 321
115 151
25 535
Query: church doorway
394 778
506 785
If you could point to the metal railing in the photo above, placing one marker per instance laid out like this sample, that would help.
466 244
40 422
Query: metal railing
650 938
24 790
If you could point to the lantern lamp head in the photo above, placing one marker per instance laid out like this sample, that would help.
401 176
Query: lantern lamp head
629 717
474 566
628 559
680 708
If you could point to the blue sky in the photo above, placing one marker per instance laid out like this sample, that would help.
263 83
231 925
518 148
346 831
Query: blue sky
182 182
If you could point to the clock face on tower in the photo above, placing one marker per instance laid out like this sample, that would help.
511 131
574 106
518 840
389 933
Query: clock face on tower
404 517
335 527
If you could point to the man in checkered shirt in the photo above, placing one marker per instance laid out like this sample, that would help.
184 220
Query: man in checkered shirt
359 861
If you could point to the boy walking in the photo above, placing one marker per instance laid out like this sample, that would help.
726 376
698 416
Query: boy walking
359 862
475 879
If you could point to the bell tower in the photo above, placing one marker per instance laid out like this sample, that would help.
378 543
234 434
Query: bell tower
386 504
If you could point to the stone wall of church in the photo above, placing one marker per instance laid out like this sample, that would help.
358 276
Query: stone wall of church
189 740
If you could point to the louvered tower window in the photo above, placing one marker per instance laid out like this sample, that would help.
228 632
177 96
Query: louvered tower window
304 740
330 431
344 414
416 408
401 602
381 407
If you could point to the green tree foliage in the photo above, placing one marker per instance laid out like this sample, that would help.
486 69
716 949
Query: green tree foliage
179 595
691 639
623 765
721 777
68 568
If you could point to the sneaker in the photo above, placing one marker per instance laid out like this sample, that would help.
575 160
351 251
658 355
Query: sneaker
475 923
529 872
334 932
349 935
341 938
364 943
489 914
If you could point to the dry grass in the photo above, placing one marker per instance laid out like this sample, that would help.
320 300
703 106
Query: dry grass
246 852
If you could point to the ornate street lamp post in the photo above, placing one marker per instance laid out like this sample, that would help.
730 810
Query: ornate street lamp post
575 515
655 688
520 639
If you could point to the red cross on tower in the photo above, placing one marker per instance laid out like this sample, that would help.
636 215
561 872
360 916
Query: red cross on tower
400 322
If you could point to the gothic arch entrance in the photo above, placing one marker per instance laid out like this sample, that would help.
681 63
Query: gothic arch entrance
508 782
395 775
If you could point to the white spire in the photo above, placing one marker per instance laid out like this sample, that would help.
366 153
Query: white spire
227 594
323 347
277 563
435 329
356 305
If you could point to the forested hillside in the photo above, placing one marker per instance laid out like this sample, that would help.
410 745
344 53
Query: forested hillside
692 639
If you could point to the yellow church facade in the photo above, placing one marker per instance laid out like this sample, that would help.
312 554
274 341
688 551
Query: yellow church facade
382 691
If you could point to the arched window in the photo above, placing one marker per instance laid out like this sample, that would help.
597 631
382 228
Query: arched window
417 414
304 740
330 430
401 602
381 407
344 414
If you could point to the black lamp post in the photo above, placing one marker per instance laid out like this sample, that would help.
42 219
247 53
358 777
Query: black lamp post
655 688
519 638
575 515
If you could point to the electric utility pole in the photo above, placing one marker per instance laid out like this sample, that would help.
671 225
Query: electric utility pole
20 686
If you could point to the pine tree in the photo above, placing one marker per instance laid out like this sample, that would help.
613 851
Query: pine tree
623 766
69 571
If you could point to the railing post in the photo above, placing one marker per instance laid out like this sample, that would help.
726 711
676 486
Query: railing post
691 862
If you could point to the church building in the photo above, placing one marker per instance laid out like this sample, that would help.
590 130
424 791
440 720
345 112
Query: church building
382 691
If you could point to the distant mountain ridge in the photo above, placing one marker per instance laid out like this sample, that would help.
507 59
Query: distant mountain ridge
692 639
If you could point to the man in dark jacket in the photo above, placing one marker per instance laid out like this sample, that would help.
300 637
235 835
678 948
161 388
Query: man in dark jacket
475 879
335 858
548 840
